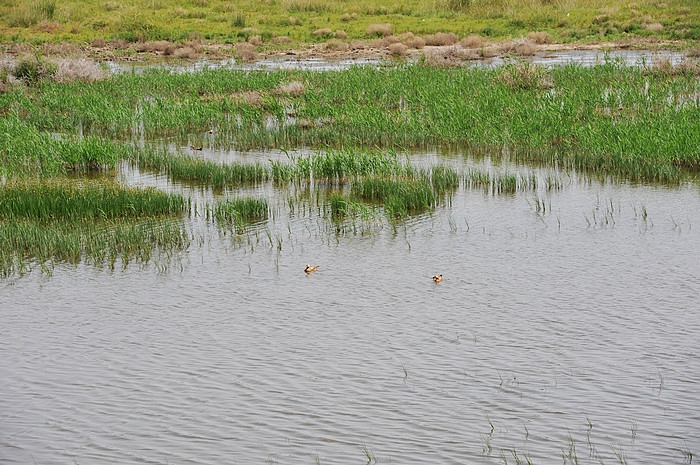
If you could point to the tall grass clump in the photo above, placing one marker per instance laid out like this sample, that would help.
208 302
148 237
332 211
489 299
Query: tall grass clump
26 151
401 197
241 210
185 168
73 200
444 178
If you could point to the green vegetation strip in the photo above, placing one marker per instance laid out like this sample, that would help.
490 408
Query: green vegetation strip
635 123
84 200
185 168
317 20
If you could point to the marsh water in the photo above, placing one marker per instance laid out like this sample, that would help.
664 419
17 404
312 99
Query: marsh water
547 59
566 328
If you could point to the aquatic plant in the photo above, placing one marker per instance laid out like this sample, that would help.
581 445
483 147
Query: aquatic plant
66 199
29 244
186 168
400 197
241 210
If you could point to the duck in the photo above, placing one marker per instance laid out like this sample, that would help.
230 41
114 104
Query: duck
437 278
310 269
195 148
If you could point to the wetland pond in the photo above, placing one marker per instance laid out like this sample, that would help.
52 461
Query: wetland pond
566 328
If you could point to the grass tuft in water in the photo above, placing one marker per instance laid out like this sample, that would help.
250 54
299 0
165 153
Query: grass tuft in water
64 199
241 210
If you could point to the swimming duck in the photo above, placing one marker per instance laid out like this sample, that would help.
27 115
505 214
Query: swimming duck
437 278
195 148
310 269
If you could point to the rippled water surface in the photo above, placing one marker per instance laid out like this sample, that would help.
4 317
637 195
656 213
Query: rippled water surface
566 328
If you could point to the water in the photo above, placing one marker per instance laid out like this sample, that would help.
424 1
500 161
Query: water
570 333
547 59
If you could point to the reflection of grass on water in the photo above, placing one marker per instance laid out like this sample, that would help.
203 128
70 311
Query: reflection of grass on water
27 243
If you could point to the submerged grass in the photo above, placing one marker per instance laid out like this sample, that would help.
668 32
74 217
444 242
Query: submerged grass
28 244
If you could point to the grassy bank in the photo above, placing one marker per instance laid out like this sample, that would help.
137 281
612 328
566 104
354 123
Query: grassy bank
304 21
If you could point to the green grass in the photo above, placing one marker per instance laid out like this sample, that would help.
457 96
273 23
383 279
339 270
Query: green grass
241 210
400 197
629 122
25 150
225 21
186 168
71 200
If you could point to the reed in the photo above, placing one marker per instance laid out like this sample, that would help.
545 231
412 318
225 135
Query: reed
63 199
27 151
241 210
609 119
185 168
400 197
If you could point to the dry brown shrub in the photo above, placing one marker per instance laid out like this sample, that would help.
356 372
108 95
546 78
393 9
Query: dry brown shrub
345 17
340 34
654 27
250 97
246 51
381 30
99 42
388 40
281 40
78 69
473 41
112 6
539 37
255 40
294 88
526 76
337 45
292 21
180 12
416 42
398 49
185 52
441 38
524 49
119 44
488 52
449 57
323 32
